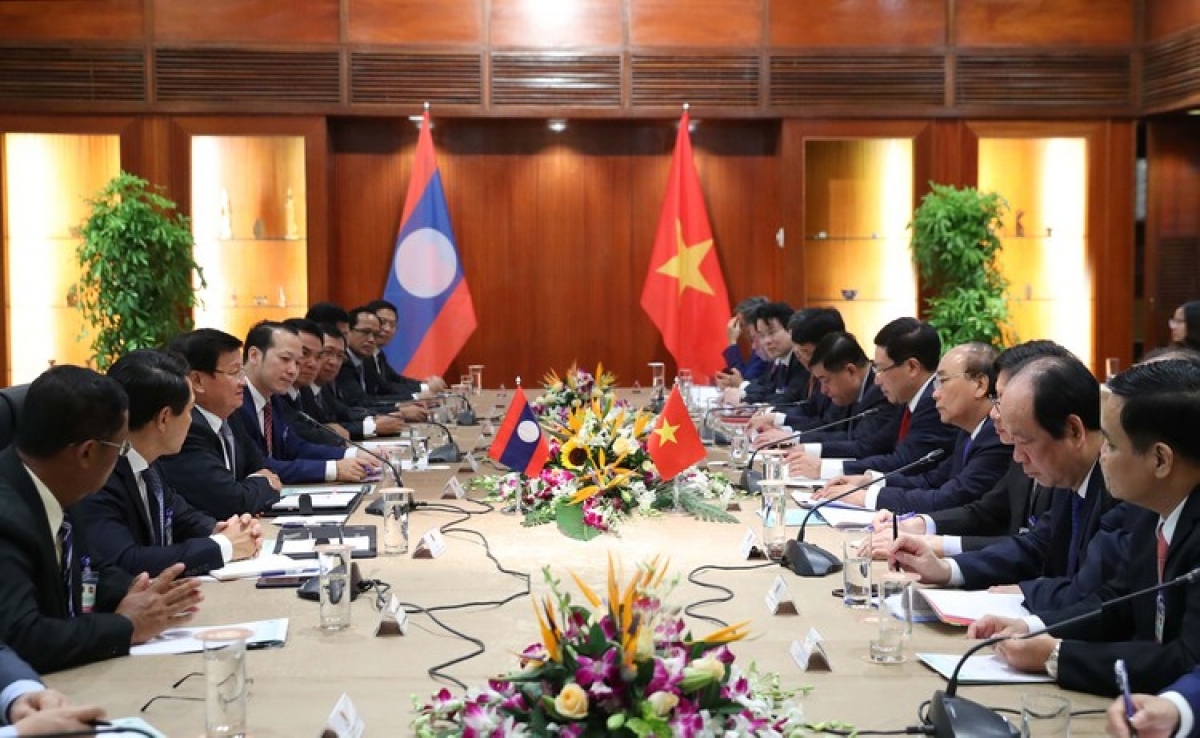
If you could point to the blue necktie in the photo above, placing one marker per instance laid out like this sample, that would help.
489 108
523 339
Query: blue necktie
67 544
154 496
226 434
1076 533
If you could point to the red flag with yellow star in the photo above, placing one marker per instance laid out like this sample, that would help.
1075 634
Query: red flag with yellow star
685 293
674 444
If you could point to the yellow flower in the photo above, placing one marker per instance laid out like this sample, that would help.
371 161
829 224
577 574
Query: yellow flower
662 703
700 673
574 454
571 702
624 446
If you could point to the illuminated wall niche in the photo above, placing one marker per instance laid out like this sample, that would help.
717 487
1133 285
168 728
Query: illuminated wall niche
250 223
1044 180
47 179
857 204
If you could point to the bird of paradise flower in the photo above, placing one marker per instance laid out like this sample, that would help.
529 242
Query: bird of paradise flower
600 469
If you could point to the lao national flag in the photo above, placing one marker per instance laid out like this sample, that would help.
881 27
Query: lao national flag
674 444
426 281
520 443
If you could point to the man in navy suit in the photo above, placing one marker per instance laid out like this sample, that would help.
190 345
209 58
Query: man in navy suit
1151 459
906 356
137 522
962 390
786 379
808 328
1050 409
272 353
1169 714
28 708
739 330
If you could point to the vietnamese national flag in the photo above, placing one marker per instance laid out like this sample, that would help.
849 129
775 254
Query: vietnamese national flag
674 444
426 280
685 293
520 443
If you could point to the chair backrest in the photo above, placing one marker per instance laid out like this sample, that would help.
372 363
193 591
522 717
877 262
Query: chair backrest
12 402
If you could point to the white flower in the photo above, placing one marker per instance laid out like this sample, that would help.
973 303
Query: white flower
663 702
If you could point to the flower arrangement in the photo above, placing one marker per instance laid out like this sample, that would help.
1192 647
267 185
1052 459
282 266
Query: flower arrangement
626 666
599 472
573 390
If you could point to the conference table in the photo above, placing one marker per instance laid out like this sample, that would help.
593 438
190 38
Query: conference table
295 686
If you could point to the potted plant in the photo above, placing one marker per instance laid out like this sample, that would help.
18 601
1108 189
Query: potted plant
135 288
954 245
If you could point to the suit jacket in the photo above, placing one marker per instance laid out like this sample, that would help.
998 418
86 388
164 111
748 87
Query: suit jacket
1126 630
751 368
310 433
382 379
356 390
781 383
34 616
199 474
1188 687
970 471
1098 565
926 431
1045 550
120 532
327 408
13 669
873 434
1008 508
295 460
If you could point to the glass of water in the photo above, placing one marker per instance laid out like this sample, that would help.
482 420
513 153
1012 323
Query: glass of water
225 682
856 571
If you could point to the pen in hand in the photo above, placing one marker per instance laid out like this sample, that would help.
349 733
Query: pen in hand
1123 685
895 535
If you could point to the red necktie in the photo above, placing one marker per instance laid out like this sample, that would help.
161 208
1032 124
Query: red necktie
268 427
905 420
1162 550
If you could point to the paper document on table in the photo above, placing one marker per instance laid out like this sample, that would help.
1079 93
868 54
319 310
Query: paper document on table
263 634
804 499
272 562
135 728
921 611
385 443
795 518
303 520
845 517
958 607
990 669
299 546
326 501
320 489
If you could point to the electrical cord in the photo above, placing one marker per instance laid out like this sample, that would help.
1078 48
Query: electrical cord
726 596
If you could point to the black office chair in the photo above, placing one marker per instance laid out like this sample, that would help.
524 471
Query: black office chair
12 401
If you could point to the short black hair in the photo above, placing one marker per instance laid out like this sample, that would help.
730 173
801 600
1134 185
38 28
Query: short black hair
152 379
68 405
1191 323
332 332
327 312
810 325
1062 387
909 338
377 305
780 311
1011 359
745 309
203 348
1161 404
304 325
262 335
361 310
838 350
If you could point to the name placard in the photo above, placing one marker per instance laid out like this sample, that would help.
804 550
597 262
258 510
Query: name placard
809 654
393 619
779 600
470 462
486 428
344 721
749 548
431 545
453 490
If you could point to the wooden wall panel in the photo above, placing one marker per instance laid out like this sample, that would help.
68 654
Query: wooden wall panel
250 21
530 23
554 230
858 23
70 20
1172 221
1044 23
415 22
706 23
1167 17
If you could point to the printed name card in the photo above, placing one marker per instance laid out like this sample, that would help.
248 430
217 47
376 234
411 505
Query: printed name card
779 600
453 490
486 428
344 721
809 654
431 545
393 619
750 549
470 462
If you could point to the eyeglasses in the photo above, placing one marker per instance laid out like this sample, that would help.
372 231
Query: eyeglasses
941 379
884 369
122 447
234 373
366 332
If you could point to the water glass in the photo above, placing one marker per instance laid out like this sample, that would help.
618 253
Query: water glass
476 378
225 682
775 467
333 561
774 512
888 645
1045 716
397 501
658 378
737 446
856 572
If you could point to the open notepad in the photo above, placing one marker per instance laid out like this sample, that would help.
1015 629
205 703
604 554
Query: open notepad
956 607
263 634
990 669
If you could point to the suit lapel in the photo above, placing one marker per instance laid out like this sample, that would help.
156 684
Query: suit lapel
1185 530
51 576
128 481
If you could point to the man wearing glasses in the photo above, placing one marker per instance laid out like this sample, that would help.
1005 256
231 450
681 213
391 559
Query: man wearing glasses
359 383
73 430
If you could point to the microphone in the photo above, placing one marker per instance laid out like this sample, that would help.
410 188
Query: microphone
347 442
751 478
809 559
467 415
951 716
449 453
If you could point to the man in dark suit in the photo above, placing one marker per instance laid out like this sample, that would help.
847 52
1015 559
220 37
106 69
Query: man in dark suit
786 380
137 522
359 383
807 327
219 469
738 331
906 355
1169 714
28 708
1151 459
72 433
1050 409
390 380
272 353
962 390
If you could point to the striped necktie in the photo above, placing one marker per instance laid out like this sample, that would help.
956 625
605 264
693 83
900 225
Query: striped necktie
154 500
66 545
268 428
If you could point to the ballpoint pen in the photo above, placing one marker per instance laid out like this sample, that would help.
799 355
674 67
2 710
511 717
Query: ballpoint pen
1122 675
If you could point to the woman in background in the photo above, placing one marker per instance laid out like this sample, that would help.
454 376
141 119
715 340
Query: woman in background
1185 325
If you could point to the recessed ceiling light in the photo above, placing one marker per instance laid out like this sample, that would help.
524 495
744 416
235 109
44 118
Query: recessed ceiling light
558 125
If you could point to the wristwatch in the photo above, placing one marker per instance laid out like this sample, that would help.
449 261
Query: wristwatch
1052 661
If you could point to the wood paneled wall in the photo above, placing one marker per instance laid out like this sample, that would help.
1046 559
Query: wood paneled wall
1172 222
